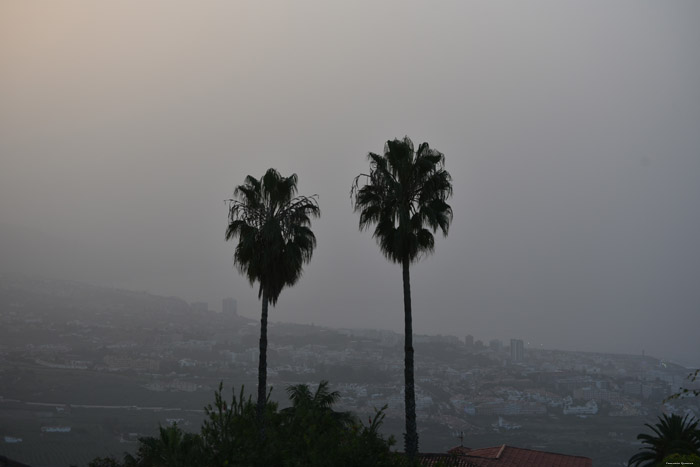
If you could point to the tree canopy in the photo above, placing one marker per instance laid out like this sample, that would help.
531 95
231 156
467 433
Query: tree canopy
404 197
273 230
310 433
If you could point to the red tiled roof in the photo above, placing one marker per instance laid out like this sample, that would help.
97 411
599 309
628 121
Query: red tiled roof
509 456
459 451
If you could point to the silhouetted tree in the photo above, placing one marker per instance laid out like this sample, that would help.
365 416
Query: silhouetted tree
310 433
314 434
172 448
274 242
311 422
672 435
230 432
404 196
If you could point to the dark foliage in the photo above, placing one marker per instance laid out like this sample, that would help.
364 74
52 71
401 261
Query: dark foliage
307 434
672 435
272 226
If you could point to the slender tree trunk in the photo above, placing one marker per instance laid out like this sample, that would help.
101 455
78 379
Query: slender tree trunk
411 436
262 365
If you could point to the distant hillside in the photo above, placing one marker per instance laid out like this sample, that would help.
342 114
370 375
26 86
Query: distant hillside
59 301
79 294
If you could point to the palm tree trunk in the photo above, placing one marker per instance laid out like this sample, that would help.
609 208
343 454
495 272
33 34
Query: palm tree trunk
262 364
411 436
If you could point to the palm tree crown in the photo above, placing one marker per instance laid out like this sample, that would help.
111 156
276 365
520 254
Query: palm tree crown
322 399
672 435
273 229
405 196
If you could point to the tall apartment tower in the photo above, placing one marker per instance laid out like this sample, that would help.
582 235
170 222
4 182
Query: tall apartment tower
517 350
229 307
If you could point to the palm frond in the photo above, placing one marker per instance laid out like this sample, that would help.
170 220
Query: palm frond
272 227
404 194
672 435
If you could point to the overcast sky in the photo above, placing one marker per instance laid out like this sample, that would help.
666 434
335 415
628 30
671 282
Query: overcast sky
571 130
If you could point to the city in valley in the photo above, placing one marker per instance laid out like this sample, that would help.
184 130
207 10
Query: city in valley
85 371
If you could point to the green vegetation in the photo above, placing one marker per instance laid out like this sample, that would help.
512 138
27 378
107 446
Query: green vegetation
404 196
672 435
309 433
274 242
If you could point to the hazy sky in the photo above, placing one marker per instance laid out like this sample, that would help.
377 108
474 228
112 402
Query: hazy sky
571 130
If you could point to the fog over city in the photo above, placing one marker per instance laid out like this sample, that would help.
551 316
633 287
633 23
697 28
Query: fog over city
570 129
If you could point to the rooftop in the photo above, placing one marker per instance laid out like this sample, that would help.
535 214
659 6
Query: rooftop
504 456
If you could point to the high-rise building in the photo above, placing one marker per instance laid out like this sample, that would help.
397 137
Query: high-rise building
517 350
229 306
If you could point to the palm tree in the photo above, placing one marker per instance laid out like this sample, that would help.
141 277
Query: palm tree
308 405
274 242
311 426
405 195
173 448
672 435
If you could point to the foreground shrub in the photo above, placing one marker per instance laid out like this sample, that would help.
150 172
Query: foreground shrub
307 434
672 435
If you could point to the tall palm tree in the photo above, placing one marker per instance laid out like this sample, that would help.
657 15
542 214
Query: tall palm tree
672 435
404 196
274 242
